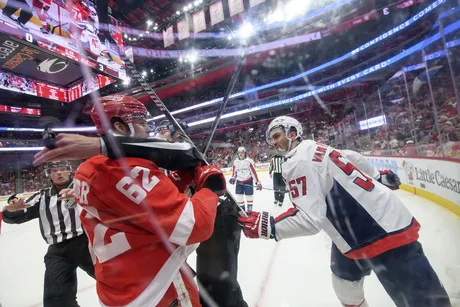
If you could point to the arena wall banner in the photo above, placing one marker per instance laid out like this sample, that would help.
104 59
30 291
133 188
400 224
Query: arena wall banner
434 178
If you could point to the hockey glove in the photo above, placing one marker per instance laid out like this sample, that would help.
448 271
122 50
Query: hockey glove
232 180
259 186
182 179
210 177
258 225
389 179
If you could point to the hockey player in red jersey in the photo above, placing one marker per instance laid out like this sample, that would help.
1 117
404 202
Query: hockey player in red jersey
129 206
370 227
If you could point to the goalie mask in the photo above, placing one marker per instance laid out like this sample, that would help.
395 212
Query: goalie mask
283 125
123 108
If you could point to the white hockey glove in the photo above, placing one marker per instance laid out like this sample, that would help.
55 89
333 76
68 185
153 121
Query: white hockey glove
259 186
258 225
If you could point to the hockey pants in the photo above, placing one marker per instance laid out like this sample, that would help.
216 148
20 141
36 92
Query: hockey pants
404 272
61 263
217 260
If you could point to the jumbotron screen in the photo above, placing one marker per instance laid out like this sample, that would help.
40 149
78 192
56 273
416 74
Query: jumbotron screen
56 26
25 85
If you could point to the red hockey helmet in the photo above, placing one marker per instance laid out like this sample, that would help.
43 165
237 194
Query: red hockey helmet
119 106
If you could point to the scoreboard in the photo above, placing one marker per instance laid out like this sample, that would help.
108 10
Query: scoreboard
26 85
40 55
68 24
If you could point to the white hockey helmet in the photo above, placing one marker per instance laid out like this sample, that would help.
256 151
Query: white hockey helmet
241 149
287 123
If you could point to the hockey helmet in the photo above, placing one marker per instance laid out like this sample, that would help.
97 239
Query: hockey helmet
166 124
287 123
241 149
119 106
12 197
57 164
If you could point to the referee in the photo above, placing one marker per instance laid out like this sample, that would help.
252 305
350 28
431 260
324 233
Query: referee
61 228
278 183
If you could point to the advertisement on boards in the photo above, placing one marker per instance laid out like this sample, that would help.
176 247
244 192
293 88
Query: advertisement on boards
441 177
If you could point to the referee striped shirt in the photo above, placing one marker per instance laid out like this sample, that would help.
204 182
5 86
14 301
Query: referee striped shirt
59 219
275 164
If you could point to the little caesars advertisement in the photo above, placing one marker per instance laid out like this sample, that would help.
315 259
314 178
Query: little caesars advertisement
436 176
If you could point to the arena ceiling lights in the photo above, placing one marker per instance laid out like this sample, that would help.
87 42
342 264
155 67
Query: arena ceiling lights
319 90
285 12
370 70
417 17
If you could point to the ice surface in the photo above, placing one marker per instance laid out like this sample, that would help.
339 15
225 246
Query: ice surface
292 273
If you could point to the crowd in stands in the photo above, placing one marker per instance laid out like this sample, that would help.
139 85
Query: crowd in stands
7 182
411 130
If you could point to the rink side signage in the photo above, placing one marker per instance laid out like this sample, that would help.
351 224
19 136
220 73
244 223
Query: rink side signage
440 177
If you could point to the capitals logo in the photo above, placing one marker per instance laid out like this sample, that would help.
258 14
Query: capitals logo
409 169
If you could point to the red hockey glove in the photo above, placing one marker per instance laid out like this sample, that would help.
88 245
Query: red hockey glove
258 225
259 186
389 179
182 179
210 177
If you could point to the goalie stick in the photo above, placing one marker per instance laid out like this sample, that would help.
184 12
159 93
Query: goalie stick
161 106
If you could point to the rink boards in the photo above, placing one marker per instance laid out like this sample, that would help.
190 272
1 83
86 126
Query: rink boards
437 179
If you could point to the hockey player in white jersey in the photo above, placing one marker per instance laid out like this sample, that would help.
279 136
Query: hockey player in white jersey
244 174
370 227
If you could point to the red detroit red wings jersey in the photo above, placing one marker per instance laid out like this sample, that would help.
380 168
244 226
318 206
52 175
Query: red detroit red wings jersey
132 265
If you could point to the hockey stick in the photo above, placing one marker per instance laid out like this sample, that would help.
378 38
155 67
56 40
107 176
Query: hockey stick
161 106
264 188
229 90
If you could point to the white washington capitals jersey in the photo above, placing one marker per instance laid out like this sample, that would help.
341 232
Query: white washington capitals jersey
243 170
361 216
361 163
